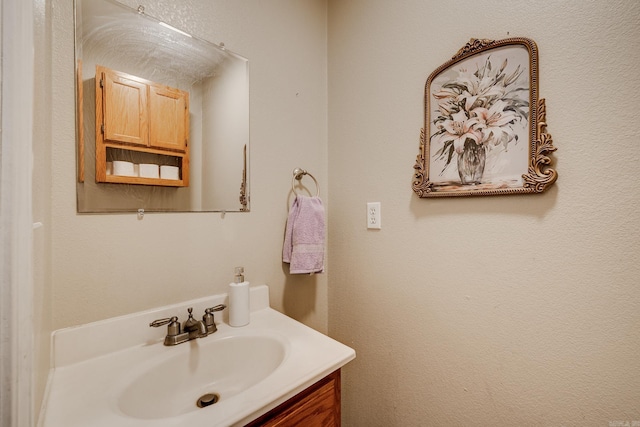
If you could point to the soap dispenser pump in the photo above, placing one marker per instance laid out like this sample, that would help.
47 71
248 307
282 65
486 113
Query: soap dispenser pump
239 307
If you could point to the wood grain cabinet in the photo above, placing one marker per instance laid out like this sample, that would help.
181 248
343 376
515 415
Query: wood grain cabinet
317 406
134 115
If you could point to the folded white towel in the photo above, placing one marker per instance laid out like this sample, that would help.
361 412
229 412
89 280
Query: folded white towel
304 237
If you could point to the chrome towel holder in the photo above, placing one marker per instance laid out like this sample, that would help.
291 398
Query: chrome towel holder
298 173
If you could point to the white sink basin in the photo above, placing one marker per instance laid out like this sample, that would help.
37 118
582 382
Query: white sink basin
223 367
117 372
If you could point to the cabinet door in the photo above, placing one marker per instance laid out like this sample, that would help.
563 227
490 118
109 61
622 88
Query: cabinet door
317 406
168 118
125 108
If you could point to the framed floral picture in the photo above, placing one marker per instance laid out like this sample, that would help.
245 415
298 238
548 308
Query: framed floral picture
484 129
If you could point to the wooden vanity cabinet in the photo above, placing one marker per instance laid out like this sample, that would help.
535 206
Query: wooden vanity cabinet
139 115
316 406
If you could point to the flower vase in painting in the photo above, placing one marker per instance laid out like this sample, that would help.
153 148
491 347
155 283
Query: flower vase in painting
471 163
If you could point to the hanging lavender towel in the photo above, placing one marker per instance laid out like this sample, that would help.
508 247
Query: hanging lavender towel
304 237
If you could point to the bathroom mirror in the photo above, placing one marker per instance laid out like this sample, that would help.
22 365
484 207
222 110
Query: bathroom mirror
214 174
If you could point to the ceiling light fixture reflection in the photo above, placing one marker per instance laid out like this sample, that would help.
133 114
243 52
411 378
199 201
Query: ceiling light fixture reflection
164 24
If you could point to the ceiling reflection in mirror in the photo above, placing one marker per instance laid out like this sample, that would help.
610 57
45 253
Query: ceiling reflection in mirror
212 166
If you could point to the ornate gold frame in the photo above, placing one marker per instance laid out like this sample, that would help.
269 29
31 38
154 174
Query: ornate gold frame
538 176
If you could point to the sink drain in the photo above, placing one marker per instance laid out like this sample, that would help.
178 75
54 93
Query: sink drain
207 400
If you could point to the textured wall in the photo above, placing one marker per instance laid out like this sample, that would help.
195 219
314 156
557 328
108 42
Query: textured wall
512 310
109 265
41 198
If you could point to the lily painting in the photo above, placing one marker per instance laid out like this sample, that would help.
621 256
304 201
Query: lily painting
480 134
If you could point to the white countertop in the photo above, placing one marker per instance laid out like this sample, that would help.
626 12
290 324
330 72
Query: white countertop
89 374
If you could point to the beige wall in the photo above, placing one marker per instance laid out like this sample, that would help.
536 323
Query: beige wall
109 265
505 311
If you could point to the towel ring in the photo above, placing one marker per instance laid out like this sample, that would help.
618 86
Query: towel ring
298 174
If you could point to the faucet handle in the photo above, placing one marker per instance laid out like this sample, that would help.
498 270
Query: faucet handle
174 326
208 318
218 307
208 314
161 322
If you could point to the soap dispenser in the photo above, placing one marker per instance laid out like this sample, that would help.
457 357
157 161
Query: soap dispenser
239 299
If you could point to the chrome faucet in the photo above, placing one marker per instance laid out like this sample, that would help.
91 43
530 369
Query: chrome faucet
191 329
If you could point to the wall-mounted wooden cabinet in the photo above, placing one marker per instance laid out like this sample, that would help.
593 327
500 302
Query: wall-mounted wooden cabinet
134 115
